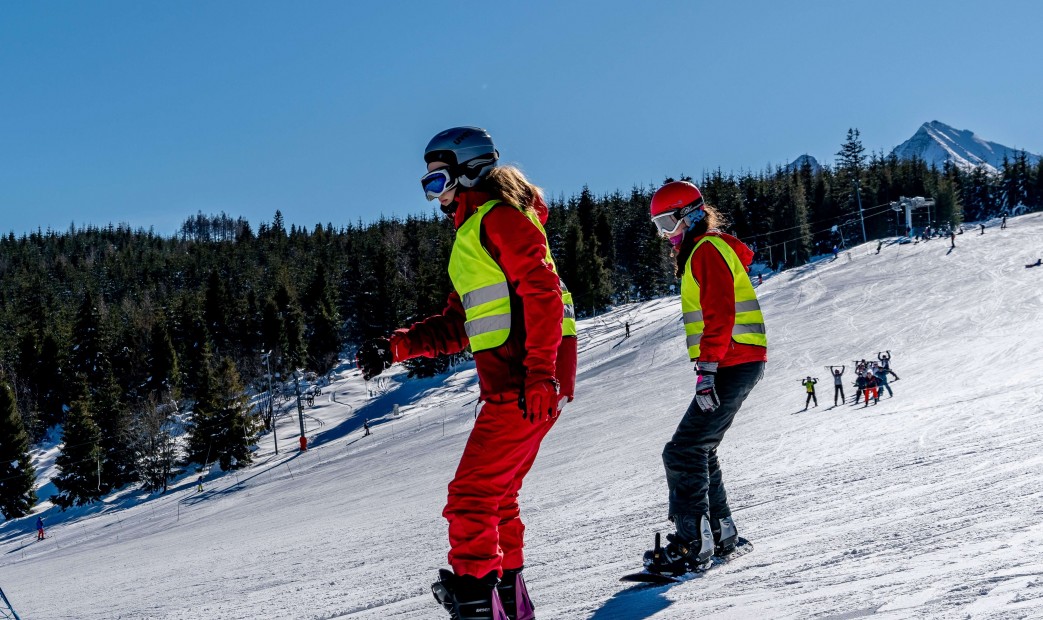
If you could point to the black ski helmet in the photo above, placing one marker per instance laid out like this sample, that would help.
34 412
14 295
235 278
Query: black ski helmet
469 151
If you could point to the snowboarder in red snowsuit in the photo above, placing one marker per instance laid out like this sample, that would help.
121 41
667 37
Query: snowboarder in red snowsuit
39 528
524 382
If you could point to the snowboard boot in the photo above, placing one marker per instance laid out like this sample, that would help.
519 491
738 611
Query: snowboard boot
515 596
468 598
686 551
725 536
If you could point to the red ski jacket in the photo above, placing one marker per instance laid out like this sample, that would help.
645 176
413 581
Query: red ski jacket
717 297
535 350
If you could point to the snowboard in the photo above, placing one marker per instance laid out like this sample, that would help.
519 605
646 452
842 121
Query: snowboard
742 547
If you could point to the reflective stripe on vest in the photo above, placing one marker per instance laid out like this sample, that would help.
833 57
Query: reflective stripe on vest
749 322
483 287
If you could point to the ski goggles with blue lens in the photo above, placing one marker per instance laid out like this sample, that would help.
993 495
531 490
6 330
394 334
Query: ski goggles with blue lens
668 224
437 182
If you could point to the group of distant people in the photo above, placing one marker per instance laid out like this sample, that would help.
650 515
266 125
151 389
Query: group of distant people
929 232
871 378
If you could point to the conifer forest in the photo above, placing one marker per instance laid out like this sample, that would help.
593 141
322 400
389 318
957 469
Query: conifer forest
153 352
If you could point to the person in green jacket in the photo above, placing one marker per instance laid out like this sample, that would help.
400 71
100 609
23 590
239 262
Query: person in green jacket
809 385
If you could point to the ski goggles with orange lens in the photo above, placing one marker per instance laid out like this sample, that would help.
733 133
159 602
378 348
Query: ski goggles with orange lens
669 224
437 182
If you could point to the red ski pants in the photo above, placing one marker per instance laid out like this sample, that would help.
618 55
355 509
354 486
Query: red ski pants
485 530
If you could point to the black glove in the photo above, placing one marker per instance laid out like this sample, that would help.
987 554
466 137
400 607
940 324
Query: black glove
705 394
373 357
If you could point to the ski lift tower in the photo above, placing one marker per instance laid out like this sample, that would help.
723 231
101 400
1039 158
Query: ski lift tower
6 609
908 204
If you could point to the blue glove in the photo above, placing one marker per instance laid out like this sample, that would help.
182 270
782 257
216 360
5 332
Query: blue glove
705 394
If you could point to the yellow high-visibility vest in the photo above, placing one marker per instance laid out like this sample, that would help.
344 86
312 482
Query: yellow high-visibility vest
483 288
749 322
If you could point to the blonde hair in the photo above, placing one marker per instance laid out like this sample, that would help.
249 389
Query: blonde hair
509 184
713 219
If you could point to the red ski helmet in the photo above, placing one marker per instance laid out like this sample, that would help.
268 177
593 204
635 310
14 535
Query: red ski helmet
675 202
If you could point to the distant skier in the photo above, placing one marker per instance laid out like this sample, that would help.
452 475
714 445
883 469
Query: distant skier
881 372
726 339
511 307
982 228
879 244
836 251
760 279
627 326
860 384
952 238
1003 224
870 389
365 426
1038 263
199 484
40 535
838 384
809 385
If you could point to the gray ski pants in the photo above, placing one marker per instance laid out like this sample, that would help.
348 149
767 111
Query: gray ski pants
693 473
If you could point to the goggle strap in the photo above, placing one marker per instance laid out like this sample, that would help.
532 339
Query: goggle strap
690 207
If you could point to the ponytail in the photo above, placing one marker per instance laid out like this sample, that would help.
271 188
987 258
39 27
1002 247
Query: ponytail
713 219
508 184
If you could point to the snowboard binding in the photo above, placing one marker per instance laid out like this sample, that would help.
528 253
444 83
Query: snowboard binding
468 598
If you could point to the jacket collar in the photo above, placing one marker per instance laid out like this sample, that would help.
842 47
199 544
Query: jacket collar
467 202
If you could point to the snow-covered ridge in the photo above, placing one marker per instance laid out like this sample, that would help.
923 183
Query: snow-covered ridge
799 162
926 505
935 142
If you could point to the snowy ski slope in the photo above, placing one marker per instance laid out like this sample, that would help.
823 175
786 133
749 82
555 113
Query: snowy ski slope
928 504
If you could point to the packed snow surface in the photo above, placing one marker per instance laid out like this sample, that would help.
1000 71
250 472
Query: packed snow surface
928 504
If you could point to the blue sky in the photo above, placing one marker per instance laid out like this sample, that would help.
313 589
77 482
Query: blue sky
147 112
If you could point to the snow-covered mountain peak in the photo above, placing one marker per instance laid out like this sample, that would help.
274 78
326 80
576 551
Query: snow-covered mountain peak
935 142
799 162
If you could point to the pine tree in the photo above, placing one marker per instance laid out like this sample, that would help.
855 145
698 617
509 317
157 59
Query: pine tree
90 343
164 369
203 427
591 270
154 446
1015 180
113 419
55 380
17 476
224 422
323 329
273 336
569 264
850 165
198 349
1036 197
796 218
293 328
26 383
947 204
216 309
79 463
